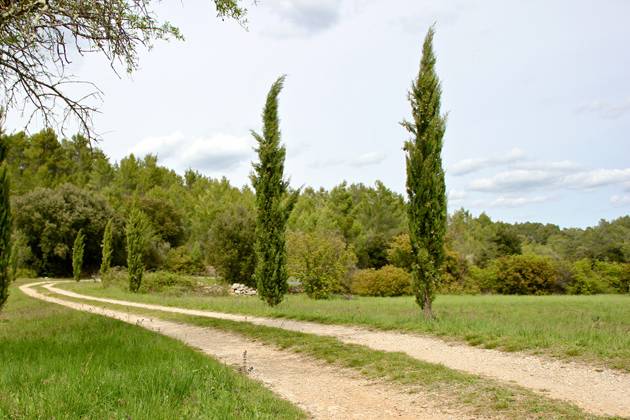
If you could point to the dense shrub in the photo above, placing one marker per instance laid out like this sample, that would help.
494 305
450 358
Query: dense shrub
591 277
320 260
165 283
526 274
231 243
456 278
184 260
399 252
50 220
386 281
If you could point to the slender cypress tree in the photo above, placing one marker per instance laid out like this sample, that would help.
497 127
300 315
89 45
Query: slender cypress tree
77 255
135 246
5 222
274 204
5 234
106 260
426 189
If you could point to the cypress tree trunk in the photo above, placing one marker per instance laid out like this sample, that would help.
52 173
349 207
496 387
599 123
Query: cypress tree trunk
426 189
135 246
273 204
77 255
5 233
106 260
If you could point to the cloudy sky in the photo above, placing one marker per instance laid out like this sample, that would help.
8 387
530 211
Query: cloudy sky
538 96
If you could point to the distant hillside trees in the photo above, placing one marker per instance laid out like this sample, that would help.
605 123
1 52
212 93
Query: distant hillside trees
426 190
274 203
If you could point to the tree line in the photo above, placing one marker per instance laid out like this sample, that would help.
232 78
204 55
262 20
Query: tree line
194 222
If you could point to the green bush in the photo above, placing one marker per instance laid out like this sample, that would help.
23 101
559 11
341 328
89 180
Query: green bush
185 261
165 282
231 243
386 281
49 221
320 260
526 275
456 278
592 277
399 252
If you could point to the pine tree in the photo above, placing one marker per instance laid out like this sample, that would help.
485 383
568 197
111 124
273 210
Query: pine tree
5 224
106 260
426 189
135 245
274 204
77 255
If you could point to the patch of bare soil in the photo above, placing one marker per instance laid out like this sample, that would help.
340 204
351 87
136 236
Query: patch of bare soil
323 391
596 390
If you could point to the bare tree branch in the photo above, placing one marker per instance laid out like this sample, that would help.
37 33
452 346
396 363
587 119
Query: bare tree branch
38 38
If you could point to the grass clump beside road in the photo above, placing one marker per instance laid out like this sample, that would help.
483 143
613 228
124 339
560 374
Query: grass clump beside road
61 363
464 392
595 329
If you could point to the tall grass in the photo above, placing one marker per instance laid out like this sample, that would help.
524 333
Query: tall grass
595 329
60 363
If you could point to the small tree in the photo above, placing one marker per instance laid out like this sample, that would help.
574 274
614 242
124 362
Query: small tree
273 204
135 246
320 260
106 261
77 255
5 232
426 189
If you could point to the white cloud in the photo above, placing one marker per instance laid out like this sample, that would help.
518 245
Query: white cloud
216 153
456 196
467 166
605 109
597 178
620 200
524 179
516 201
305 16
516 180
368 159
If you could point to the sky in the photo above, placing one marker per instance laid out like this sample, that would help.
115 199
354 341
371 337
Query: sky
537 95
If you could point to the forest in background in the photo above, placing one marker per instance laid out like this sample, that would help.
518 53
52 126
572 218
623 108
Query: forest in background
350 239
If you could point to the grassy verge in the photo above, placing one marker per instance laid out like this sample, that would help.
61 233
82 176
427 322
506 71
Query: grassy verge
60 363
476 395
595 329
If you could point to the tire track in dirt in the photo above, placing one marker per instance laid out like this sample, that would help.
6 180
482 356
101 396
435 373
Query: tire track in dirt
323 391
596 390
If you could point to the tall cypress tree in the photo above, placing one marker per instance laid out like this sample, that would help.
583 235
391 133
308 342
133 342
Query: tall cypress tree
5 220
426 189
5 228
106 261
274 204
135 245
77 255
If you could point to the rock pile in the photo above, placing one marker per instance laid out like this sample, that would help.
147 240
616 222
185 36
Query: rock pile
242 290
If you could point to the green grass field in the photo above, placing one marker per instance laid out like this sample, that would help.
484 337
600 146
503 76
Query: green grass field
461 391
595 329
60 363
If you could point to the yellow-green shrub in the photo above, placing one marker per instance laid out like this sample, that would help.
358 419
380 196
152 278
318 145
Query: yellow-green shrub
386 281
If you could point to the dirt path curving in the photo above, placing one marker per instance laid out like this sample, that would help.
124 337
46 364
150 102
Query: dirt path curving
599 391
323 391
